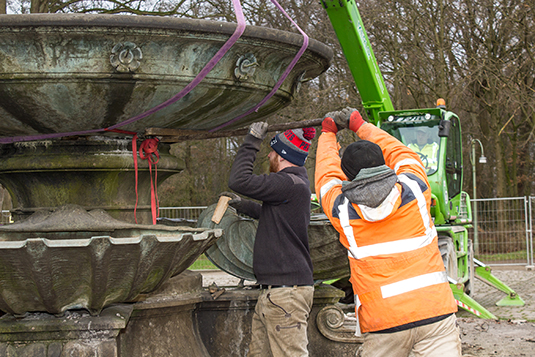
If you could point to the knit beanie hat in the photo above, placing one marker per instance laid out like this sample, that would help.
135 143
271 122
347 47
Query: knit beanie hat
359 155
293 144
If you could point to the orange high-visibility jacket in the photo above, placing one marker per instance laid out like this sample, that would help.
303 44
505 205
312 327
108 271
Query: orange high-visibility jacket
397 272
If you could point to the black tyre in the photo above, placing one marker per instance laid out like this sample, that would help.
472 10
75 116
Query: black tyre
469 285
449 256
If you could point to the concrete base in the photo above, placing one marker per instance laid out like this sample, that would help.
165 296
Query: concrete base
225 323
74 334
163 324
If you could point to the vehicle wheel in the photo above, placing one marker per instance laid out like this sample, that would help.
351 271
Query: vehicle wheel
449 256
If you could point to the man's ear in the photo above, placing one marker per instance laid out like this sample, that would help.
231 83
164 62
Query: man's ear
282 160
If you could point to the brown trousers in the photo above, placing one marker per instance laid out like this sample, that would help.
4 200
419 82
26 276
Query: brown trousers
279 325
441 338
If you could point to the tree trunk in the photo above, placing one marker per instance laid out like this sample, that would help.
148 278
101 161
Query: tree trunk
2 193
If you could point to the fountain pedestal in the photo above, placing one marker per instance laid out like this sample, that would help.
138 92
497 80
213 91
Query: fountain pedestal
164 323
95 173
73 334
160 324
225 323
179 319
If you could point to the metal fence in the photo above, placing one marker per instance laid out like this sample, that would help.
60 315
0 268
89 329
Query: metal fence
503 233
190 213
5 217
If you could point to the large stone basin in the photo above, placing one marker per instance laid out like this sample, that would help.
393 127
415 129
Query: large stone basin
76 72
74 259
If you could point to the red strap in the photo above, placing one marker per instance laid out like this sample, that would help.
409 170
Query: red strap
134 154
148 150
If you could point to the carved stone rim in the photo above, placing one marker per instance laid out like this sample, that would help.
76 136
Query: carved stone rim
165 23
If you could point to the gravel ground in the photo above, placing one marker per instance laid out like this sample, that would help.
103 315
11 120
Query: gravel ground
513 335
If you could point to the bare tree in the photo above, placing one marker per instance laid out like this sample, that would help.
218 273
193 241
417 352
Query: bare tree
136 7
497 40
479 56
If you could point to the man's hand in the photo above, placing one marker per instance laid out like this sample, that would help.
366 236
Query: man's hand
235 201
341 118
328 125
352 118
258 130
346 118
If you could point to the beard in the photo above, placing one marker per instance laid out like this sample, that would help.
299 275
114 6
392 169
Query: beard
273 164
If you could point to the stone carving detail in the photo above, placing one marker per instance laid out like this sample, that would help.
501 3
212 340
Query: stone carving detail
245 67
126 57
334 324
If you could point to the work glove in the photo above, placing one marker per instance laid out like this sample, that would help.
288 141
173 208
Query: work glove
351 119
328 125
259 130
235 201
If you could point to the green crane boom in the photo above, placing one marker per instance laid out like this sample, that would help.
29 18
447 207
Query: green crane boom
360 57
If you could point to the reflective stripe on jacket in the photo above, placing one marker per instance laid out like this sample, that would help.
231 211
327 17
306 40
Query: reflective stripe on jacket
396 268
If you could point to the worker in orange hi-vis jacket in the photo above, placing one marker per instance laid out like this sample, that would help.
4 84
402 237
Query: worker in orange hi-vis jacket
378 198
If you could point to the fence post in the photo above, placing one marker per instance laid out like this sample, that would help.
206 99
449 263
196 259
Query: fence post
529 247
527 215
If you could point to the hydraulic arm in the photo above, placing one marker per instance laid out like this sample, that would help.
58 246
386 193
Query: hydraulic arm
350 31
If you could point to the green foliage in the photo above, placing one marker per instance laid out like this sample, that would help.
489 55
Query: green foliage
202 263
518 256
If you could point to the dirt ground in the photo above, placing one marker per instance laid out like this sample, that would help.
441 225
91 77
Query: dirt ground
497 338
513 335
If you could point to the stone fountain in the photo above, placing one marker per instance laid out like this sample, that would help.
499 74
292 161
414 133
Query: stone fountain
78 275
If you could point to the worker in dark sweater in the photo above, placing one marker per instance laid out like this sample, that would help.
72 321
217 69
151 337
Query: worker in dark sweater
281 258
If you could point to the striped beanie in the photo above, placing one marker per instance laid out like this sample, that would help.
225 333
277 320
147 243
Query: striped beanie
293 145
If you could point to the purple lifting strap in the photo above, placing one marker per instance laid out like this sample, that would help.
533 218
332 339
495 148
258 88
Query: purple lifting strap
281 79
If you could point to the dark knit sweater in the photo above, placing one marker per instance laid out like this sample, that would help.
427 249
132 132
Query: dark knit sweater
281 254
